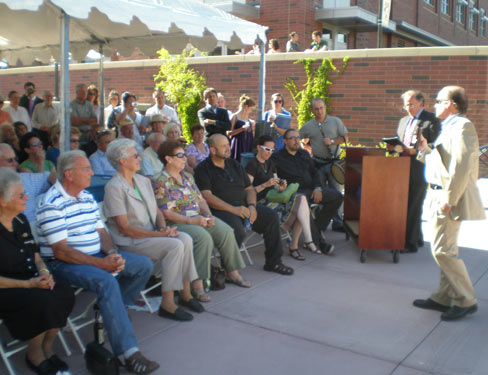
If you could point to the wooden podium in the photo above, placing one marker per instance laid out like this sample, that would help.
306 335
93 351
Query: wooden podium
376 200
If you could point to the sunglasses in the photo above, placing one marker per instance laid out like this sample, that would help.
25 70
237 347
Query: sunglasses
11 160
278 101
74 140
179 155
267 149
35 144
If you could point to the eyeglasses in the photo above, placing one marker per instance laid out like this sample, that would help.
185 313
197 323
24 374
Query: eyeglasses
293 138
74 140
278 101
36 144
87 168
439 101
179 155
135 156
11 160
267 149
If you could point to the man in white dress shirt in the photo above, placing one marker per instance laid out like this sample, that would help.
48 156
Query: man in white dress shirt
161 108
17 113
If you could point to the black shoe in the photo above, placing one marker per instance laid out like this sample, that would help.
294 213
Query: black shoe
192 304
420 243
58 363
456 312
430 305
325 247
44 368
179 315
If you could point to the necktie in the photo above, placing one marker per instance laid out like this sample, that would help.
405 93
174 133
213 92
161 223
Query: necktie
407 138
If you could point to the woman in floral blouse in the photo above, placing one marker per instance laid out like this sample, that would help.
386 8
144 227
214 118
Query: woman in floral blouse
181 202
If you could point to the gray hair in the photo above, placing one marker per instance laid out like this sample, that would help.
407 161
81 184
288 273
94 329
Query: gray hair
119 149
8 181
66 160
4 147
79 86
415 93
152 137
169 127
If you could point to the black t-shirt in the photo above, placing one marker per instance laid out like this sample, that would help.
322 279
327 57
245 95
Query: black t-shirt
18 249
261 172
227 183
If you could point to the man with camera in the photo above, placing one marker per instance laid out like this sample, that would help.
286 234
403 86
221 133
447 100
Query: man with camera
29 100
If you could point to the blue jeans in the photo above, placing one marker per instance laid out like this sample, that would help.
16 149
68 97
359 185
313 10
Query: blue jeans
113 293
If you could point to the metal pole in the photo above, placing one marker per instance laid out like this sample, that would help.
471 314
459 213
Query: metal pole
262 90
101 91
56 81
380 27
65 107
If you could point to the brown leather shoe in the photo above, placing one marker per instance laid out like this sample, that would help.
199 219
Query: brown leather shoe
429 304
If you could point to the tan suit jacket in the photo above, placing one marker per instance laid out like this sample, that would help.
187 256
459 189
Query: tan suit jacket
455 156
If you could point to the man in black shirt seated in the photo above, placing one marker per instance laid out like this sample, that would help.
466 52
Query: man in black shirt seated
229 193
295 165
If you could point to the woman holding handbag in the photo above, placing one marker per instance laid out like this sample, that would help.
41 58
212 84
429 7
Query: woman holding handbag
295 213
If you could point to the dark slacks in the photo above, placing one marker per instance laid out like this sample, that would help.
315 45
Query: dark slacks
267 224
416 195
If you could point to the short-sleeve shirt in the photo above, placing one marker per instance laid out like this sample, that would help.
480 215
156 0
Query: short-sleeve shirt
192 150
318 45
332 127
84 110
180 197
228 183
27 164
261 173
61 216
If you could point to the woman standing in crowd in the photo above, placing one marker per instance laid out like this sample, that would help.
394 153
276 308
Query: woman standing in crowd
197 150
32 305
137 225
93 97
181 202
241 133
294 214
276 111
114 100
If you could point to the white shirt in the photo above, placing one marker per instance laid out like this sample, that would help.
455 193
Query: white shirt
19 114
166 111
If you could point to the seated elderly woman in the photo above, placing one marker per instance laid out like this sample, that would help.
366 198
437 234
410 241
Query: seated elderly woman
173 131
32 305
296 212
197 150
137 225
181 202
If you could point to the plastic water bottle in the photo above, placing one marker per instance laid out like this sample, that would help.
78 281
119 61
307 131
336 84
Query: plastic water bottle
98 326
247 224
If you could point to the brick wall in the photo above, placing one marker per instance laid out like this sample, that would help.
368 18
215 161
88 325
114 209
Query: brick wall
367 97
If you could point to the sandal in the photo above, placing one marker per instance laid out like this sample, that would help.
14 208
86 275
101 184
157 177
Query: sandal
307 246
239 282
140 365
296 254
200 295
279 268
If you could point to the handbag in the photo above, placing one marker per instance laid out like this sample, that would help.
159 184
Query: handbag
217 278
100 361
284 196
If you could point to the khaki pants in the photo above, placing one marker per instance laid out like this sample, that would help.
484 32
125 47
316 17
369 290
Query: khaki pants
455 287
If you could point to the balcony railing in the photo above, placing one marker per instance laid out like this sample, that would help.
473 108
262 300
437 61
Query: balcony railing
328 4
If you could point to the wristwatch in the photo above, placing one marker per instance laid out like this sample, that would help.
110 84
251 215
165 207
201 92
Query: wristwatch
112 251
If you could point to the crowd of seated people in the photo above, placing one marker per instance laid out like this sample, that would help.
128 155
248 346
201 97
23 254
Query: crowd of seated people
169 203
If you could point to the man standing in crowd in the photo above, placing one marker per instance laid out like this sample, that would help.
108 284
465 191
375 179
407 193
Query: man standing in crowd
78 249
46 114
292 44
161 108
82 113
418 120
29 100
230 195
451 171
326 133
214 119
16 112
295 165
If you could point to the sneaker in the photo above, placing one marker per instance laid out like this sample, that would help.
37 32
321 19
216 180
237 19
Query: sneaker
140 365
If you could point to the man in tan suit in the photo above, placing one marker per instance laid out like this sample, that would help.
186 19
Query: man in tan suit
452 171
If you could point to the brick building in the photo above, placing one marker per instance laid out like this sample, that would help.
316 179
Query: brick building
352 24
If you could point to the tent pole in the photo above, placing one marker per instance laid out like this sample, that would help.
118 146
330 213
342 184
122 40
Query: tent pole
262 68
65 107
101 91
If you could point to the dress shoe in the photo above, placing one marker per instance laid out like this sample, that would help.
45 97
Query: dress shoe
456 312
430 305
192 304
325 247
58 363
44 368
179 315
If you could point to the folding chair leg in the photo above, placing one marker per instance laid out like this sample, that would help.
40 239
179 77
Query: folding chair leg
244 250
66 347
145 291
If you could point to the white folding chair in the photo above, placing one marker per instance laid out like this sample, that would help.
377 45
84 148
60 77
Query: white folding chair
77 322
12 347
144 297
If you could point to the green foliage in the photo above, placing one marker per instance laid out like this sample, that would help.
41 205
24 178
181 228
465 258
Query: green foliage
317 86
182 86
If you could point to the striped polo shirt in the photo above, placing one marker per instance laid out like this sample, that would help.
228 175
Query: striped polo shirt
61 216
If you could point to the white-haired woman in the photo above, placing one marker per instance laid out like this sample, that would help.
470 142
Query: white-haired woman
137 225
32 305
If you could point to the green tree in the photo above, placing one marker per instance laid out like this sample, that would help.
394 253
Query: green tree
317 85
182 86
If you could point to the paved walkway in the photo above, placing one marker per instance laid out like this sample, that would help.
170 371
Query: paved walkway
334 316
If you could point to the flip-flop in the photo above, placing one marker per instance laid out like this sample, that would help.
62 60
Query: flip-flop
239 282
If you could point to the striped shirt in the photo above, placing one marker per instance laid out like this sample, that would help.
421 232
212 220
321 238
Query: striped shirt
61 216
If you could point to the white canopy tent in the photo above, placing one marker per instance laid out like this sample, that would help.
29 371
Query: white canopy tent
40 29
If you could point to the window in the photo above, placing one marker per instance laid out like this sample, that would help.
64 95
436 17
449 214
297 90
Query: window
445 7
473 21
430 2
460 13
